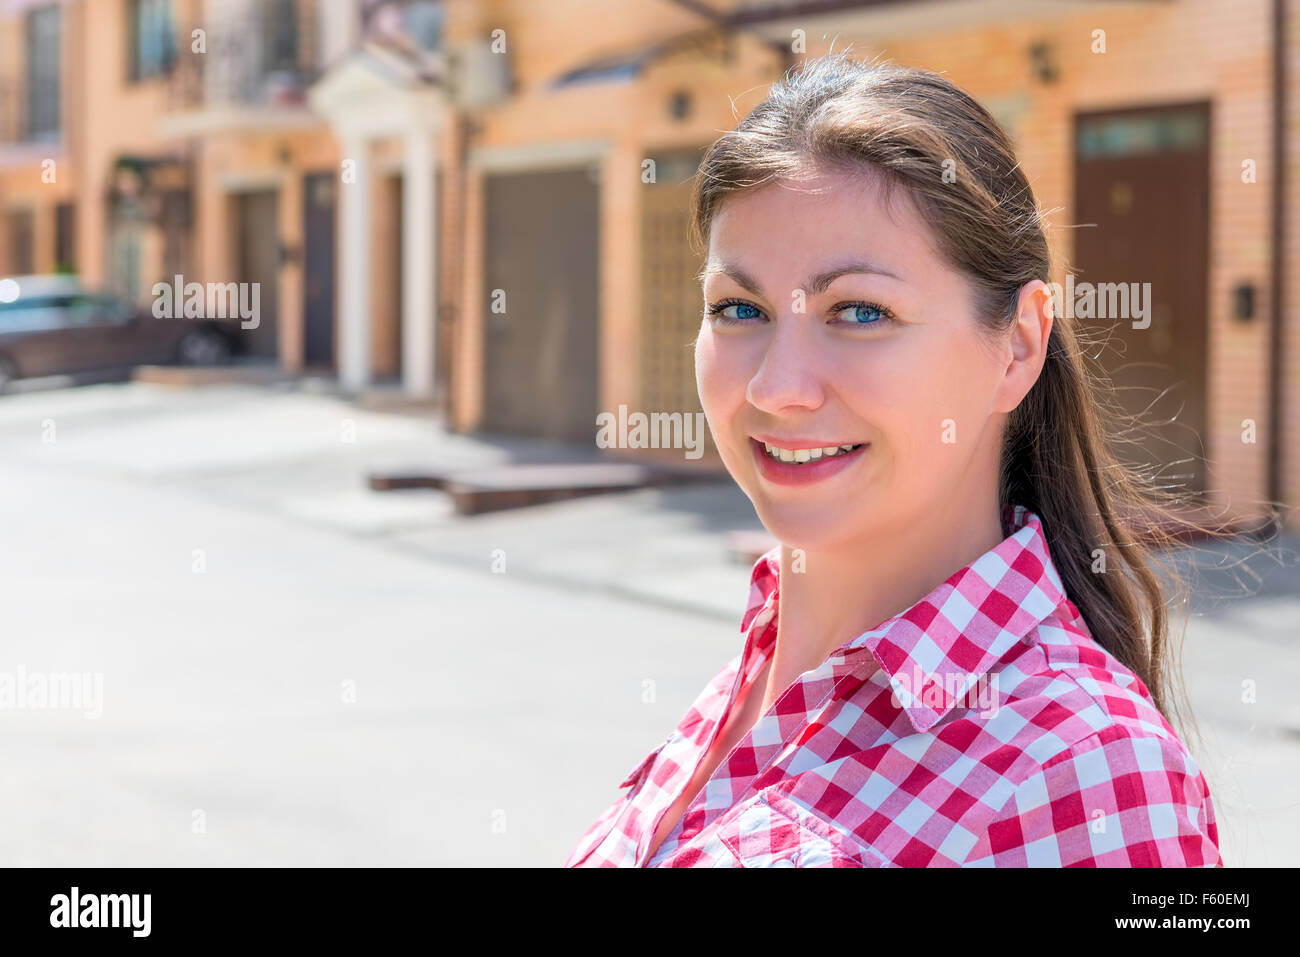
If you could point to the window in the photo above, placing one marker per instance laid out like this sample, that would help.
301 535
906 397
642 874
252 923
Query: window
114 309
20 226
83 310
423 20
418 21
279 36
43 73
38 314
1137 133
65 242
79 312
124 258
151 35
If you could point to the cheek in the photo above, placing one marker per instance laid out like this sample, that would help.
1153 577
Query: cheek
906 395
883 391
719 377
945 396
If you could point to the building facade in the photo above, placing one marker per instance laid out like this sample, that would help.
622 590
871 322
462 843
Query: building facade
486 202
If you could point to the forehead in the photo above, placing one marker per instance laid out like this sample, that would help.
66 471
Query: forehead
823 215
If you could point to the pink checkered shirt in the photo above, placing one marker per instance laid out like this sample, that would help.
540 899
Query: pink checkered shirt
1028 744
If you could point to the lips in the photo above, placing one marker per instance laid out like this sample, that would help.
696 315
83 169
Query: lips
803 461
801 455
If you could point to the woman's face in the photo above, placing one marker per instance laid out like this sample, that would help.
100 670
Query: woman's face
830 320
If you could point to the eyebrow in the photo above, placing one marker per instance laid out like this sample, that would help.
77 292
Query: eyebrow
816 285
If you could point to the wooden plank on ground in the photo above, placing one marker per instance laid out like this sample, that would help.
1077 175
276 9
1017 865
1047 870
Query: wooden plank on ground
517 485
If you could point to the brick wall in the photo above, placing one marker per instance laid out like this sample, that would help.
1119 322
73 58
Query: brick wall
1156 53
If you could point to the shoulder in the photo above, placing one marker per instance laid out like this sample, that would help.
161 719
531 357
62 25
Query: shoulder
1062 759
1072 689
1117 798
1104 779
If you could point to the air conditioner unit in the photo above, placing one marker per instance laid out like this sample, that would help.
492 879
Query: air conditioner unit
480 77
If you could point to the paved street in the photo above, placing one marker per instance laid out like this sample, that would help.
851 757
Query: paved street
298 671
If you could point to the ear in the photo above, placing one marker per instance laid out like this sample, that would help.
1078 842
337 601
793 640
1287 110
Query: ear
1027 341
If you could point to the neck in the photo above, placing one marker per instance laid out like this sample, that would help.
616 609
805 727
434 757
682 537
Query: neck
830 596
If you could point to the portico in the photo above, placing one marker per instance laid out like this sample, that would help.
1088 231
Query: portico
374 97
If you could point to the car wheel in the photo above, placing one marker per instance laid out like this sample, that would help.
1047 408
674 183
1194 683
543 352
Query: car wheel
8 372
202 347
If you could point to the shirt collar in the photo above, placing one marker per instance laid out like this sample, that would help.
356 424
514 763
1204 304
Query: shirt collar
950 638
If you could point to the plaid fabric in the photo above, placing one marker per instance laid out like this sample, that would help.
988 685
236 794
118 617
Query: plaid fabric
994 732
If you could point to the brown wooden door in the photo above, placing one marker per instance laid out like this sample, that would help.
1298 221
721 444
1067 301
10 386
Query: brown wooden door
21 231
541 257
259 262
318 195
1142 205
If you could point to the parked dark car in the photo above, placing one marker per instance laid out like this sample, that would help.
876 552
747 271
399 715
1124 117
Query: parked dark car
51 325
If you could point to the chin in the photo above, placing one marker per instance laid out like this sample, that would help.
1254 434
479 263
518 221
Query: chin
806 528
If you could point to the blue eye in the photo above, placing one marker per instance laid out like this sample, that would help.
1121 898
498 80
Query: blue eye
745 311
864 313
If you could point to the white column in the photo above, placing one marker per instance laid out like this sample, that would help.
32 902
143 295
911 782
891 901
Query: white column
354 264
419 266
337 22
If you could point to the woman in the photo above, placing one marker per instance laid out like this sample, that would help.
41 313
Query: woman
924 681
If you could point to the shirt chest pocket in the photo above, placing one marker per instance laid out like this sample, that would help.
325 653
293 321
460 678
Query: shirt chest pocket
771 830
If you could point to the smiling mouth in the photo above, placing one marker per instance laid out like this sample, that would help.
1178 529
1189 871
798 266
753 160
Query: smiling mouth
806 456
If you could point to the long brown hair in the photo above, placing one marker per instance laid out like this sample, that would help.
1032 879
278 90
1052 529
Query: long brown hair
914 127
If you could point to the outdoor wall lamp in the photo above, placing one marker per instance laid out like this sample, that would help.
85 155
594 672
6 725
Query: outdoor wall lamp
1042 62
679 105
1243 301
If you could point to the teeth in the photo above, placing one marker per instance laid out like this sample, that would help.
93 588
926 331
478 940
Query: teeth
801 456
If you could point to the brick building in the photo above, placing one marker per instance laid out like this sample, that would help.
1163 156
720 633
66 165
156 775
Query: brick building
453 196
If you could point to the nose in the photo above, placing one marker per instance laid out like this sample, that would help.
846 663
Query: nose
789 375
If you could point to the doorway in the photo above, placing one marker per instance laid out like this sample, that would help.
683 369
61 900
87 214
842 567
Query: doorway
258 261
1142 201
541 276
318 191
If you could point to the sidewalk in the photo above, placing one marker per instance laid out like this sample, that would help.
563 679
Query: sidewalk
544 600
